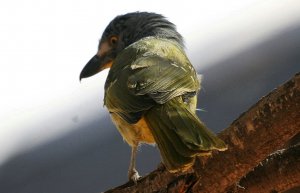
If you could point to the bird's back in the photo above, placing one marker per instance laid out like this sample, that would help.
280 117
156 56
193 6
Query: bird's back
151 71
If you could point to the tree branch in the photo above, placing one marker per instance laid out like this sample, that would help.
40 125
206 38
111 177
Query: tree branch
279 172
263 129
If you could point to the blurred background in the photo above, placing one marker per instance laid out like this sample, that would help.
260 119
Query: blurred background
55 134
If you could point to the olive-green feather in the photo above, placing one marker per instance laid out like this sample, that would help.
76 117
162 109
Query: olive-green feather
179 134
163 80
148 72
154 78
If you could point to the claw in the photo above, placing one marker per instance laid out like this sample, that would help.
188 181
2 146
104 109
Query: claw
134 176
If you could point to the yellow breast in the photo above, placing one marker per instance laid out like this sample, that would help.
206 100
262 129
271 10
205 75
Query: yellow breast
133 134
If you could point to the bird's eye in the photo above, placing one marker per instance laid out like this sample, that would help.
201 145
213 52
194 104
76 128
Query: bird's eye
113 40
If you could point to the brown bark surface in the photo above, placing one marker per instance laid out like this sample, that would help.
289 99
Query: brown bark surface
279 172
263 129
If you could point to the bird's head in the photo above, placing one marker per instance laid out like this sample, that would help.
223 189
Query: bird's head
125 30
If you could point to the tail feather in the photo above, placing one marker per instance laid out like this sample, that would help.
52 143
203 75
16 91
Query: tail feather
169 149
180 135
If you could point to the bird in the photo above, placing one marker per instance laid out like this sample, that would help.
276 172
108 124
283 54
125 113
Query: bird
151 90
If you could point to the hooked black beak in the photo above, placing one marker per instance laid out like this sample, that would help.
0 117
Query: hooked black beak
95 65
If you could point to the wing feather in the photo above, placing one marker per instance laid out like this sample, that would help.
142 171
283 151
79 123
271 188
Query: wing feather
162 79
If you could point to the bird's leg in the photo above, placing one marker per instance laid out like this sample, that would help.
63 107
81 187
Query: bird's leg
132 173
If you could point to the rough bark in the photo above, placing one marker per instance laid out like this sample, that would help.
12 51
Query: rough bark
263 129
278 173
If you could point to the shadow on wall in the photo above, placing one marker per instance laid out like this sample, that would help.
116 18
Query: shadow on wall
87 161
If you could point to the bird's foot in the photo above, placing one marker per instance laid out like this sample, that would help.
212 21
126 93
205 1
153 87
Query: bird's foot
133 175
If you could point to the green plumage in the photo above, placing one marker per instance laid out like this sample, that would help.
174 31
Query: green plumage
180 135
154 79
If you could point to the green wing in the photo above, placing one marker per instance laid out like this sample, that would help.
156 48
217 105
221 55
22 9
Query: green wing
162 79
149 72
